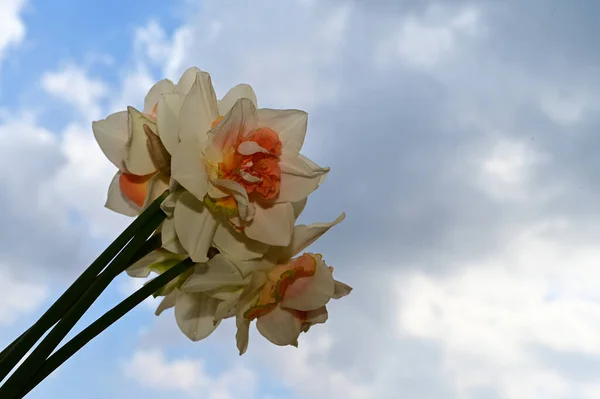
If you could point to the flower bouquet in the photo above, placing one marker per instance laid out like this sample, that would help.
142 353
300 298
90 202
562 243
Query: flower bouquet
216 188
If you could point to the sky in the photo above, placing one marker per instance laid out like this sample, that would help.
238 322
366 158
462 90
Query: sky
463 140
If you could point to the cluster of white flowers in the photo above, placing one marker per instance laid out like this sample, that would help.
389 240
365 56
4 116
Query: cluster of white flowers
237 184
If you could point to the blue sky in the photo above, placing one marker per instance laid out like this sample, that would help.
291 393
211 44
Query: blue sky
462 138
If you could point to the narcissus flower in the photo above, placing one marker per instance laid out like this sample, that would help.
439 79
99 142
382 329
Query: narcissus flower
138 143
286 295
243 171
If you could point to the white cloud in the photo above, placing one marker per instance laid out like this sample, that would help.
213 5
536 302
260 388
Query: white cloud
299 70
12 29
426 40
492 319
507 171
73 85
19 297
152 370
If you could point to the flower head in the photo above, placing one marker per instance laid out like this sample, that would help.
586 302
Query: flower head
285 294
139 144
243 168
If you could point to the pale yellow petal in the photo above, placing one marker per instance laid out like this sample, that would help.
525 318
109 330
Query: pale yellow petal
141 269
219 272
198 111
138 161
239 121
304 235
113 136
168 205
227 306
187 80
341 290
299 178
188 168
242 334
245 210
290 124
169 238
117 202
168 302
157 185
195 226
280 327
272 225
195 313
310 293
167 119
240 91
154 94
236 245
318 316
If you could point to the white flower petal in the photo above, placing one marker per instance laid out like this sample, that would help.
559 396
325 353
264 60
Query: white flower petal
318 316
219 272
298 164
290 124
141 267
117 202
299 177
341 290
242 335
241 120
195 313
246 267
317 290
304 235
227 306
161 87
250 147
112 137
240 91
280 327
195 226
168 302
187 80
272 225
248 177
238 191
168 205
198 111
156 186
138 161
167 119
188 168
236 245
169 238
299 207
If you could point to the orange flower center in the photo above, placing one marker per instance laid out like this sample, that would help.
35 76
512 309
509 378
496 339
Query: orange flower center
280 278
259 172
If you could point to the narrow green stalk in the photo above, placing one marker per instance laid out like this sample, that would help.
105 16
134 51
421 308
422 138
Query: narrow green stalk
11 345
105 321
151 244
34 361
14 352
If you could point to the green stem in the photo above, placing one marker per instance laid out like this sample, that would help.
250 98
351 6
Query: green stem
23 374
14 352
105 321
151 244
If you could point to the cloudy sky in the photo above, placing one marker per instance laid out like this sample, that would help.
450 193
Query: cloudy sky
463 140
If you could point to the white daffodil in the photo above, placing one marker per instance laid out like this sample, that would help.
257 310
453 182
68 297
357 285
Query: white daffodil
135 142
243 171
286 296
